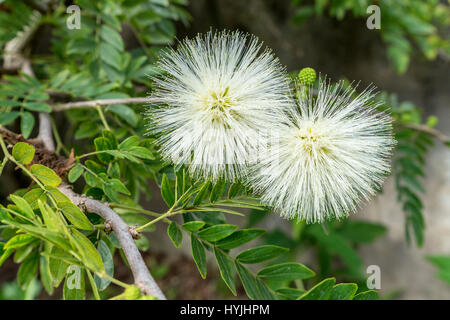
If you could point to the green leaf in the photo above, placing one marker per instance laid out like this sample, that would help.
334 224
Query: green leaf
141 152
261 253
360 231
110 55
91 257
125 113
343 291
76 216
194 225
248 281
289 293
44 234
46 276
5 255
47 176
202 193
264 292
199 255
175 234
26 124
23 252
102 144
240 237
118 186
23 152
33 196
75 285
23 206
10 103
443 265
19 240
129 142
367 295
52 219
320 291
75 173
234 190
7 118
58 267
166 192
112 37
37 106
87 129
226 269
217 190
108 262
399 57
27 270
286 272
217 232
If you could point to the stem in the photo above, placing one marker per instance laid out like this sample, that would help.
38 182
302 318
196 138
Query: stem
161 217
102 117
91 154
436 133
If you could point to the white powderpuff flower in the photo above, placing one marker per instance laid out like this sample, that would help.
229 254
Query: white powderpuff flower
218 91
332 153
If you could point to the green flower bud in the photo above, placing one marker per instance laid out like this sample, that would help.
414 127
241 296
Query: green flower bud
307 76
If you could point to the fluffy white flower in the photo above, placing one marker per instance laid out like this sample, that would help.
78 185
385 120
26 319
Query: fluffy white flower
332 153
220 89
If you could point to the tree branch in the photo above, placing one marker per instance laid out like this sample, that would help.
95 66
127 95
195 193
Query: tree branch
423 128
101 102
45 131
142 277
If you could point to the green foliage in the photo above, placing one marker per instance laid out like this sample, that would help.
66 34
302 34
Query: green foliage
112 160
409 163
404 25
442 263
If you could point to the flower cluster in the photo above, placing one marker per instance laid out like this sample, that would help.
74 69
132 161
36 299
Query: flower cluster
221 95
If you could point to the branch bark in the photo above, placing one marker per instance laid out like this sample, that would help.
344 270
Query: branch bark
142 277
45 131
102 102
